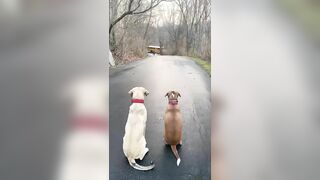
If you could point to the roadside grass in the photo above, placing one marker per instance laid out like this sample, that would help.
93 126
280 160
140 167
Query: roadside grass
307 13
202 63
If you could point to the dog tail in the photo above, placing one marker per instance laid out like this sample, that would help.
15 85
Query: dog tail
175 152
135 165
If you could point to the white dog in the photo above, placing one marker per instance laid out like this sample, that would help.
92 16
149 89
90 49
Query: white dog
85 148
134 142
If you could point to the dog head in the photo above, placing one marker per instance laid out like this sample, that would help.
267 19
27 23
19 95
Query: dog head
87 95
138 92
172 95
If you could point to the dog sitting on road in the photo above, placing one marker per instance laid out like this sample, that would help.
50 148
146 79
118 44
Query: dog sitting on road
134 142
173 123
85 147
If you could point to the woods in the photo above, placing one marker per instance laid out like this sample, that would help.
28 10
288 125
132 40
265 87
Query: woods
179 27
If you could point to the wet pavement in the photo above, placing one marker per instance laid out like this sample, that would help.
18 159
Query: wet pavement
160 74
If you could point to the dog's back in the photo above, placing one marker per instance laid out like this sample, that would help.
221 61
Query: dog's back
173 126
134 142
173 123
134 130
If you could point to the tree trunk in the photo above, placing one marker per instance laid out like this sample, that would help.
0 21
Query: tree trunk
145 33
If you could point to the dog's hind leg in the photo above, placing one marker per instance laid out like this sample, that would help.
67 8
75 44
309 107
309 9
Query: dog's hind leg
164 141
145 151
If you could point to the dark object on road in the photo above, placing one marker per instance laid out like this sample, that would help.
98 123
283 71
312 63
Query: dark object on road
173 123
154 49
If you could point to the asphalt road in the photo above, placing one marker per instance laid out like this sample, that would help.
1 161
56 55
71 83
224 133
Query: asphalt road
160 74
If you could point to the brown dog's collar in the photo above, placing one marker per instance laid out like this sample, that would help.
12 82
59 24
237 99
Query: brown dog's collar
173 101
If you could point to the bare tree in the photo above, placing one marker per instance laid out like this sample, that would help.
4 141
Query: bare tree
195 16
148 24
135 7
182 27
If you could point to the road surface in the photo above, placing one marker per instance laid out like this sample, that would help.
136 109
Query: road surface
160 74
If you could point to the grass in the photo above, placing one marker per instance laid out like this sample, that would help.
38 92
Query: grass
307 12
206 65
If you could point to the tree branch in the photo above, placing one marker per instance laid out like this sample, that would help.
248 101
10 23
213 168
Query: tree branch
150 7
153 4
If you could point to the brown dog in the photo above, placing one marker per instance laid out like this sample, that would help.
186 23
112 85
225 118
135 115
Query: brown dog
173 123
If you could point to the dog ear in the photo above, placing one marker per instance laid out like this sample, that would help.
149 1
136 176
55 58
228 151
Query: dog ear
131 92
146 92
179 94
166 94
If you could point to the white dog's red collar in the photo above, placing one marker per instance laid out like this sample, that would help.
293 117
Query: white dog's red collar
90 122
137 101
